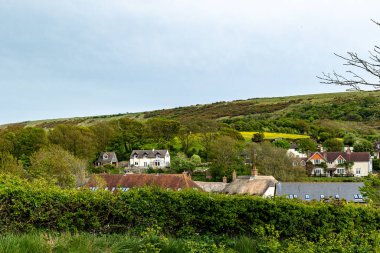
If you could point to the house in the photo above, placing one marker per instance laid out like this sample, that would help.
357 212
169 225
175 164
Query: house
337 163
117 182
246 185
320 191
106 158
376 148
150 158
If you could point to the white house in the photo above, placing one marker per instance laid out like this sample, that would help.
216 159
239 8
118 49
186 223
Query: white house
336 163
150 158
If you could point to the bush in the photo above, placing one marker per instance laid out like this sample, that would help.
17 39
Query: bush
28 207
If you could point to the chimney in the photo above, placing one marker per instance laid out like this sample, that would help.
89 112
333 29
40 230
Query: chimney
234 175
224 179
254 172
153 150
348 150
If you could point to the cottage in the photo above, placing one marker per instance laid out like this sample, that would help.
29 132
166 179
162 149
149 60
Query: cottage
320 191
331 164
106 158
124 182
150 158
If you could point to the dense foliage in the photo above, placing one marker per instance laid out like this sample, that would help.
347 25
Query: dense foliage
26 206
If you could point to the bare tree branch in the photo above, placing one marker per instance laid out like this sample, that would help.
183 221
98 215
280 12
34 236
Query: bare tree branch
371 67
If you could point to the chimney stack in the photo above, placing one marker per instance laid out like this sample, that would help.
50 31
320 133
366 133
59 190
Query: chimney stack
254 172
234 175
224 179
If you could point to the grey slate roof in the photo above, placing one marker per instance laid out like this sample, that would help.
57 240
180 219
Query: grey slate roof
344 190
149 153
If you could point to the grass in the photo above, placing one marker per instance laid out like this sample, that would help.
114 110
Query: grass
42 242
271 136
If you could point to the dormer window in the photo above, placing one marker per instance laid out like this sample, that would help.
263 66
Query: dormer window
135 156
145 155
158 156
340 161
105 156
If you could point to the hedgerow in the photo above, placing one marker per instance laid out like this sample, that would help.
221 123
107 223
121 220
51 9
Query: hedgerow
25 207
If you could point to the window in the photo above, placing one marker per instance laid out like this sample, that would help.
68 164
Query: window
356 196
307 197
317 161
157 163
136 163
340 161
322 196
158 156
337 196
317 171
135 156
360 196
357 171
303 163
340 171
290 196
105 157
295 163
145 164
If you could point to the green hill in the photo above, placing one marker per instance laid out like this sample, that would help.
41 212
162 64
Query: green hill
347 111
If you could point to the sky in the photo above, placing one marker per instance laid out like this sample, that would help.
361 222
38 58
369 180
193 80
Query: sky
91 57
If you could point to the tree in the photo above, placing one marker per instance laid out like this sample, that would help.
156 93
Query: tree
196 159
274 161
349 139
356 80
57 166
129 135
162 131
10 165
281 144
258 137
371 189
333 145
80 141
306 145
362 145
181 163
226 156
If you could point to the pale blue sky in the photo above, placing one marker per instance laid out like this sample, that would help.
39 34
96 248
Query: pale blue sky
91 57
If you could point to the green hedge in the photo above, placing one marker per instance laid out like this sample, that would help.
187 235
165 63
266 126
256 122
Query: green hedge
25 207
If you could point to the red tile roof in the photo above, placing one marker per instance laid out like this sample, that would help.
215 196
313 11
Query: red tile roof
348 156
172 181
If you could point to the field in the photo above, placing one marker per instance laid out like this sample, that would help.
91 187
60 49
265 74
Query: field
271 136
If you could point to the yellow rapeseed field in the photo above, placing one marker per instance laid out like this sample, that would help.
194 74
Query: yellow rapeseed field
271 136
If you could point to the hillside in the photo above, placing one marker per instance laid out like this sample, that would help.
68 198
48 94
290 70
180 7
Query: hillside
347 111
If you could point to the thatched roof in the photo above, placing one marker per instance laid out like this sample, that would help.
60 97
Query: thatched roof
252 185
212 186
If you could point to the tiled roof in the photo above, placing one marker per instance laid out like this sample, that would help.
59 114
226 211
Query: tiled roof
348 156
148 153
172 181
344 190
